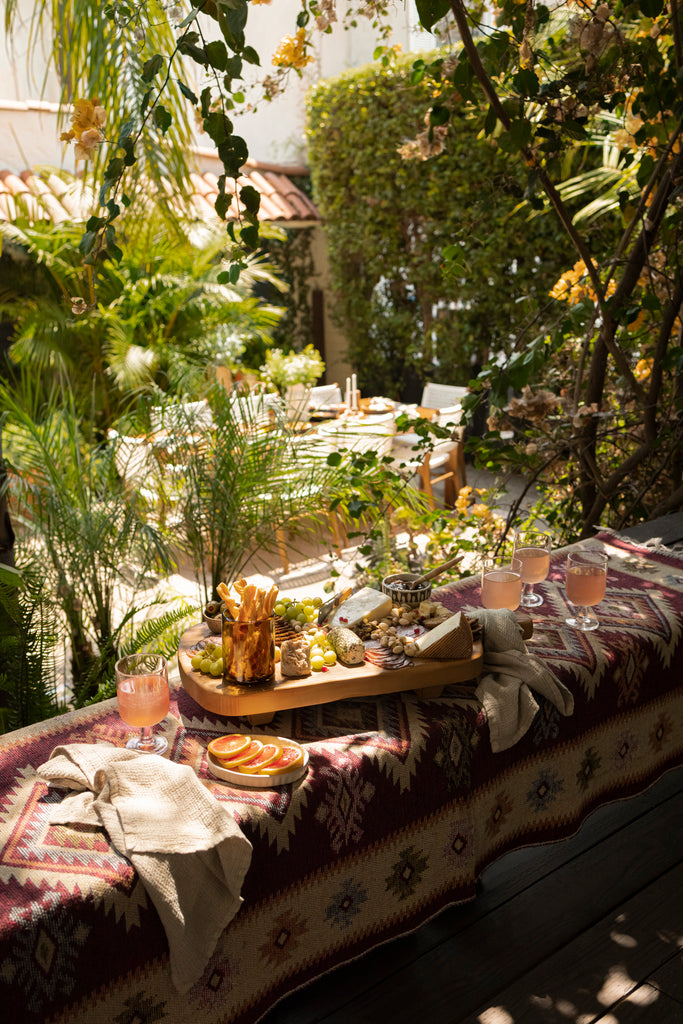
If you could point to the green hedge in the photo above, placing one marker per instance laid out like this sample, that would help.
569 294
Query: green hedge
389 220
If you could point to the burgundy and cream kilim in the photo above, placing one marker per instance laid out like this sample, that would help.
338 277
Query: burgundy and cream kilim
402 807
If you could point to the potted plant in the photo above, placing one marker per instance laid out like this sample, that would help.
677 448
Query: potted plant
293 374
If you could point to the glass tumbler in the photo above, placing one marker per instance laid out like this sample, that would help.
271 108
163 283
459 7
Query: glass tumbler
248 650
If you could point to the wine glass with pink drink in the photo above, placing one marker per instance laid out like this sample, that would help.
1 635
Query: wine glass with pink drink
143 698
532 548
501 582
585 584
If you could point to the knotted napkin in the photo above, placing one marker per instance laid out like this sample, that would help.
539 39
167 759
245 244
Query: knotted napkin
509 675
185 846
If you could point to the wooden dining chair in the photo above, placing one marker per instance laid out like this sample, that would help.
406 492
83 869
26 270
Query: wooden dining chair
445 464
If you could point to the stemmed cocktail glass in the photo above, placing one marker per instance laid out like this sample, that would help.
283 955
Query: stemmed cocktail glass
586 582
501 582
532 548
143 698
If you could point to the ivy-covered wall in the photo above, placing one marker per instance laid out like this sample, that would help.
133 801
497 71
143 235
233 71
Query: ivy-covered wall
388 221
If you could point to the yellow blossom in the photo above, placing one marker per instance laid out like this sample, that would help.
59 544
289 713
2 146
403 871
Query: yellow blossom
574 286
291 51
87 122
642 369
480 511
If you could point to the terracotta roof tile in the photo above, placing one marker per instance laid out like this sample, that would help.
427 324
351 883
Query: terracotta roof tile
24 201
286 190
37 186
50 197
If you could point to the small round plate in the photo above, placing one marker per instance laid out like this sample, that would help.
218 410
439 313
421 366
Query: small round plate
238 778
319 415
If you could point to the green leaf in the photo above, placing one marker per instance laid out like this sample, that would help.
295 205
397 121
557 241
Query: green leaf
236 19
234 154
251 198
114 168
162 118
439 115
190 49
222 204
128 146
647 165
152 67
490 121
234 68
251 56
144 102
187 93
234 272
517 137
87 242
526 82
249 236
431 11
206 101
218 126
575 129
217 55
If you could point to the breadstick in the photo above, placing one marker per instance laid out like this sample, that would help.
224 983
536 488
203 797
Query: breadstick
232 607
246 611
270 599
239 586
223 591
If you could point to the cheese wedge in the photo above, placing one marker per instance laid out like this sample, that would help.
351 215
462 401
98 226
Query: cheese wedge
451 640
366 604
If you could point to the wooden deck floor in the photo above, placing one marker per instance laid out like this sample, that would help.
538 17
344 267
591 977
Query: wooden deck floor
589 929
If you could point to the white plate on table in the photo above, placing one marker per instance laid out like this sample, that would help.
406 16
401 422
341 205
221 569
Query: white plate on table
238 778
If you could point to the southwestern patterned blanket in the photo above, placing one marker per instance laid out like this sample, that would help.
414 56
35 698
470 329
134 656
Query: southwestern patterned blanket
402 807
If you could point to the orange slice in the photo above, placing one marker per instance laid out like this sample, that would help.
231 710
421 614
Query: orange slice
269 753
290 758
255 747
229 746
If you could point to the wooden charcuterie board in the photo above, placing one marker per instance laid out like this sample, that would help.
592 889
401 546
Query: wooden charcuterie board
259 703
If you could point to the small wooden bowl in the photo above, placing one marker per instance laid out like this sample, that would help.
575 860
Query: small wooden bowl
215 623
400 595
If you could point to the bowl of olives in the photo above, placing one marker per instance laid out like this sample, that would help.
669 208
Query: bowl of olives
403 588
213 616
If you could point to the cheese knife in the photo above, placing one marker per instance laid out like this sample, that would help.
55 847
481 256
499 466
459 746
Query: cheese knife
326 609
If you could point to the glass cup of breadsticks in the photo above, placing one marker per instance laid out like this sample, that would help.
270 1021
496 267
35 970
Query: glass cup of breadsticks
248 641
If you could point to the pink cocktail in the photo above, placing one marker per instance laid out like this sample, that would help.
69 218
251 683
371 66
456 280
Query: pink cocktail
501 583
585 585
532 548
535 564
143 698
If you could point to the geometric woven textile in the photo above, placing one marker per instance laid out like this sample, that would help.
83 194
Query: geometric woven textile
402 806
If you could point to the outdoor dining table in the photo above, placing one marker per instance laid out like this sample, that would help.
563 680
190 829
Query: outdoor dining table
401 809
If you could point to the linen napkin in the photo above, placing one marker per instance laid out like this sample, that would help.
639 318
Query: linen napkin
185 846
509 675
